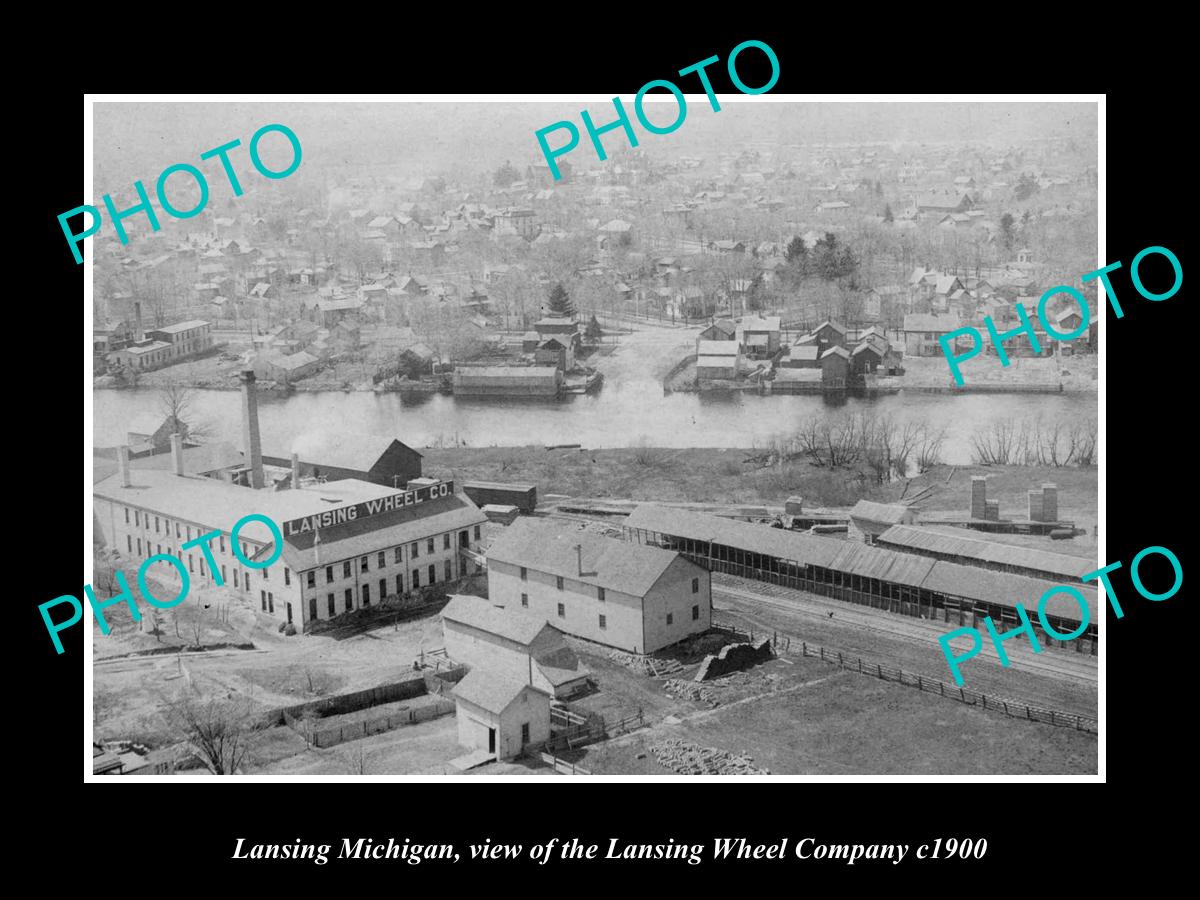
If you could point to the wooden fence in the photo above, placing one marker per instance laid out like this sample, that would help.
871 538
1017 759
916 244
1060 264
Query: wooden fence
561 765
1017 709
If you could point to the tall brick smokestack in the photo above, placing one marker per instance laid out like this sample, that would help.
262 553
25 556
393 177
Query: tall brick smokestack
251 442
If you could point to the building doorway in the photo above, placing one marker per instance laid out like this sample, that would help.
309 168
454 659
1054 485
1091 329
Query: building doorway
289 606
312 609
491 740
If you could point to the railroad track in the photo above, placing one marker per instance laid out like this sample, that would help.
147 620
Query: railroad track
907 628
891 624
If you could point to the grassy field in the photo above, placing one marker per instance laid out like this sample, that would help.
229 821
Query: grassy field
797 716
919 658
841 723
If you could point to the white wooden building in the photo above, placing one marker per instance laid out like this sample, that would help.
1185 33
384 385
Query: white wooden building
636 598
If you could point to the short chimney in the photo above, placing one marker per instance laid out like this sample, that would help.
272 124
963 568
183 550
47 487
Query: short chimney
123 457
252 444
296 471
1049 502
137 320
177 452
1035 505
978 497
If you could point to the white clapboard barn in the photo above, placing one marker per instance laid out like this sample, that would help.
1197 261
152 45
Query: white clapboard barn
511 643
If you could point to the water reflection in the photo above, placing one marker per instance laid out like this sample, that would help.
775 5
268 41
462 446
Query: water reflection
620 415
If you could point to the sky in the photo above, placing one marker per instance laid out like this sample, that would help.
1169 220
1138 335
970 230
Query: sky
139 140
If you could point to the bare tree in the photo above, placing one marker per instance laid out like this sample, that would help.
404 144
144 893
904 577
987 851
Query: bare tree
929 448
177 401
217 729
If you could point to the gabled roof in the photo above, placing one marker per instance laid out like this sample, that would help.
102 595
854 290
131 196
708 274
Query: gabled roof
892 513
760 323
612 564
930 323
716 348
338 449
490 691
512 624
836 326
836 351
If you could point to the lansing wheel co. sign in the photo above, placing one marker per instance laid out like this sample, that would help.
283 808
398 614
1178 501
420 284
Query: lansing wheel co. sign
369 508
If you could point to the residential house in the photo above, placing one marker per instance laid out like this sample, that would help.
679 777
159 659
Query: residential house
760 336
720 330
923 331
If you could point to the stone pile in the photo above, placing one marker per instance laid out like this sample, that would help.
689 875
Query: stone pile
689 690
639 664
689 759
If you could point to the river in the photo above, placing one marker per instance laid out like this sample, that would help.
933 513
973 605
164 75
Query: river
619 415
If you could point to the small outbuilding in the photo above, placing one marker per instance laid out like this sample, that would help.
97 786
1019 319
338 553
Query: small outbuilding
499 714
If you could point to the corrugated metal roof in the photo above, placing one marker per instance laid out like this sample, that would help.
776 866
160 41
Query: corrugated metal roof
969 582
1059 564
1004 589
871 562
880 512
806 549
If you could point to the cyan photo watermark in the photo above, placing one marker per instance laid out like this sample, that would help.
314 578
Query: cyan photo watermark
126 596
160 189
1085 315
622 120
955 661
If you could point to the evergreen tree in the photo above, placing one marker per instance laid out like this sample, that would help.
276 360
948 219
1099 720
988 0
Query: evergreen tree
560 302
506 175
593 332
796 250
1008 230
1026 187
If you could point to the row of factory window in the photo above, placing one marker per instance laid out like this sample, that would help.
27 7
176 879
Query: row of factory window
562 608
365 590
193 561
268 602
414 552
162 525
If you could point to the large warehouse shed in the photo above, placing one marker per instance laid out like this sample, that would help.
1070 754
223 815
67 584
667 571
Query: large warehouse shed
987 554
885 579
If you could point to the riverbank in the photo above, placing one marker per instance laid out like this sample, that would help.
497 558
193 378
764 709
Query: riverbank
724 476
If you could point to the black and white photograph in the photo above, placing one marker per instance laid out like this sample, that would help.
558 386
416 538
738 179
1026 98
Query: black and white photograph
519 438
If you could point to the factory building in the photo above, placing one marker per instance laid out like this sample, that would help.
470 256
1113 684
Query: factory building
638 599
856 573
347 544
